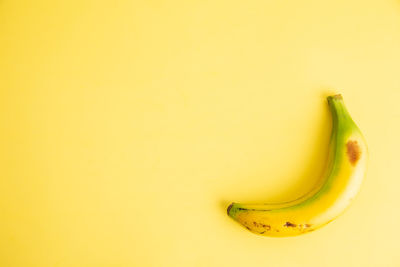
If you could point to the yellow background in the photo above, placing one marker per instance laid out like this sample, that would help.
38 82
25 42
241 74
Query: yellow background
127 127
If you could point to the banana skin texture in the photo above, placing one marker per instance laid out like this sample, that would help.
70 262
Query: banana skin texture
347 160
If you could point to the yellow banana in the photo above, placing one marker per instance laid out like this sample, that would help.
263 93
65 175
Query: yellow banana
345 171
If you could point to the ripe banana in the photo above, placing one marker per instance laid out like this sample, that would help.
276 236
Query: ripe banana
333 193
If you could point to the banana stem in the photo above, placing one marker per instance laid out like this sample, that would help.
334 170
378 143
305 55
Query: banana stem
339 111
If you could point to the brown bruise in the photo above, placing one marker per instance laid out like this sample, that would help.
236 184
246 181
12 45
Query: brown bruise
265 227
353 152
289 224
297 226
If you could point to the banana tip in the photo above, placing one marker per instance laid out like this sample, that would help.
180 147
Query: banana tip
229 208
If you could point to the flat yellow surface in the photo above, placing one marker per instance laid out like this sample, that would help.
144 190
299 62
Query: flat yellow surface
127 127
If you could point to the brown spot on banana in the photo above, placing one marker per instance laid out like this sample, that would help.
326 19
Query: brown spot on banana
353 151
266 226
289 224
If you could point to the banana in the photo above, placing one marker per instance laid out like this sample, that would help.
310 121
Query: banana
346 166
